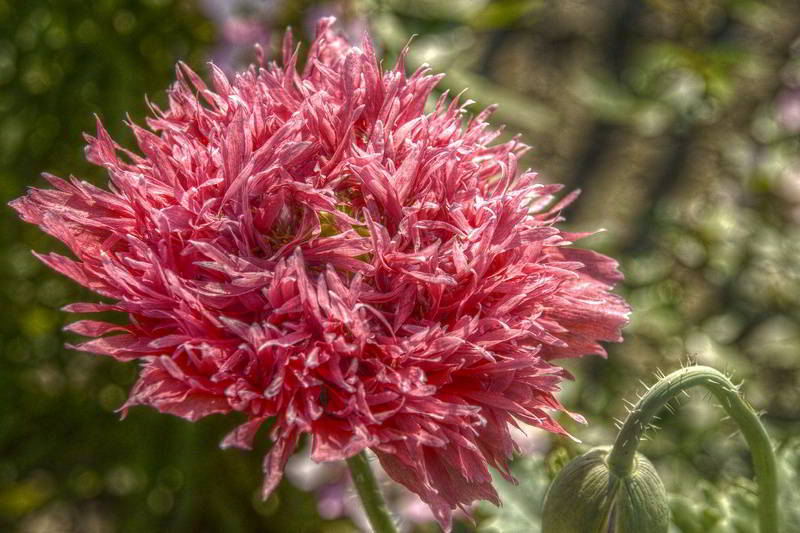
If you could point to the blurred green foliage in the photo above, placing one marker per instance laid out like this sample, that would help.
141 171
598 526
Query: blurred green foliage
679 119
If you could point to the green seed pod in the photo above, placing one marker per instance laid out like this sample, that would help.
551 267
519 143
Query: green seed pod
586 497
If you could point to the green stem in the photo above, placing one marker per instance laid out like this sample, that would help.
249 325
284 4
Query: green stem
370 494
620 460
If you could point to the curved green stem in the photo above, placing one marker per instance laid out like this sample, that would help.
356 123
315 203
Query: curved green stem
370 494
620 460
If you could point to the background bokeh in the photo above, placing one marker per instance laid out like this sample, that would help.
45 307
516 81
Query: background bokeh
679 120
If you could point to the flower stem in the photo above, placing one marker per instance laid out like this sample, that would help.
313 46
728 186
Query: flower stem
370 494
620 460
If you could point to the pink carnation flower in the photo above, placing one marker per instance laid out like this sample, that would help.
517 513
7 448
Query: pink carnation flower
315 249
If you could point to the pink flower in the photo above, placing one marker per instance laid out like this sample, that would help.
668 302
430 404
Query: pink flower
314 248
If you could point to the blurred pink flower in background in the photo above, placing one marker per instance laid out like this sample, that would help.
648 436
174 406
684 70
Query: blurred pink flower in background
788 104
350 22
240 24
336 496
314 249
787 112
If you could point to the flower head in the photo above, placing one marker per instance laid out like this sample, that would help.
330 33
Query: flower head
314 248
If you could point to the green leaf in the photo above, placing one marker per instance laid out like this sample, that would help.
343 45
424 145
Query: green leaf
522 504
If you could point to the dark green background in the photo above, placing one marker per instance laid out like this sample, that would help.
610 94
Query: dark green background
673 116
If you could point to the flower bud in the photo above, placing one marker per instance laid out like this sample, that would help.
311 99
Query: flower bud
586 497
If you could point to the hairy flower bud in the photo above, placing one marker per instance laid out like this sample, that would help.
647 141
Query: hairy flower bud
586 497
